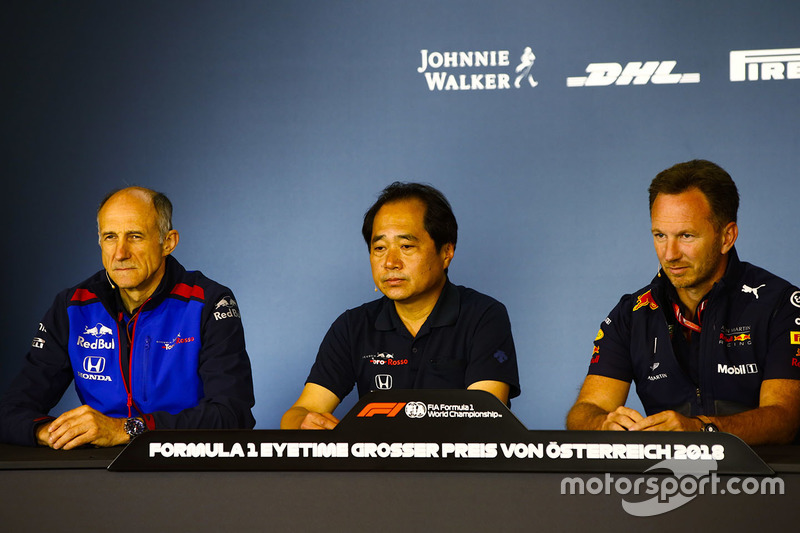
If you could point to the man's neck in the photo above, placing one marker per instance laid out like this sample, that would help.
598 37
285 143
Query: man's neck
132 299
415 313
691 297
690 300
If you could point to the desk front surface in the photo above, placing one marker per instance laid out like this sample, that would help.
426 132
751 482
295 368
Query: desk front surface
49 494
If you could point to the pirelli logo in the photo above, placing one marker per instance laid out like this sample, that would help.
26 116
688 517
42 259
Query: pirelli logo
390 409
794 337
754 65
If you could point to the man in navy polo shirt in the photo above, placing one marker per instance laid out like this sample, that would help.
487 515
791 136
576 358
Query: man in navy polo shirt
425 332
148 344
713 343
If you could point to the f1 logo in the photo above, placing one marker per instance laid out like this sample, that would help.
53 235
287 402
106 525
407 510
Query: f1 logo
94 364
390 409
383 381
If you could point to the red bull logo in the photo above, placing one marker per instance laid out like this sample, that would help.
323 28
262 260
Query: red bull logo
645 299
734 338
98 330
595 355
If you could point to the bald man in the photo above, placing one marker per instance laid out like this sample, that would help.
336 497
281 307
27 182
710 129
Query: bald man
148 344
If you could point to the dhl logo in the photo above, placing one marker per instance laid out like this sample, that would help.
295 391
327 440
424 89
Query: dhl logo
794 337
645 299
735 338
390 409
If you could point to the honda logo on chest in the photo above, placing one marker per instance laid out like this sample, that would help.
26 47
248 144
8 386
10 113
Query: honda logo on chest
383 381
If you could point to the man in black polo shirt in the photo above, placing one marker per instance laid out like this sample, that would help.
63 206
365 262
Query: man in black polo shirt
713 343
425 332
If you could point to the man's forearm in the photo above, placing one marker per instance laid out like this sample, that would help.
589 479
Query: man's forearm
770 424
586 416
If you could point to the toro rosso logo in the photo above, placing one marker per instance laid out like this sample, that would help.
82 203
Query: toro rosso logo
168 345
645 299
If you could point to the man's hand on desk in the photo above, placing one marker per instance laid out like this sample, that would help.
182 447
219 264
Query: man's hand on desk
627 419
82 425
667 421
621 419
319 421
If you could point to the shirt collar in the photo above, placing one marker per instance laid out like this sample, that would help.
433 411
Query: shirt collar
445 312
168 280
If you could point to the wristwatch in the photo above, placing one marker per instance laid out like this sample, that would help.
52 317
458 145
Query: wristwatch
134 427
708 427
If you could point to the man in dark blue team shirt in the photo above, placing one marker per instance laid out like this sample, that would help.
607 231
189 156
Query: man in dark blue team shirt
425 332
712 343
148 344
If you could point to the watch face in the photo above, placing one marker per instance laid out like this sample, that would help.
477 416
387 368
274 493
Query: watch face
134 427
711 428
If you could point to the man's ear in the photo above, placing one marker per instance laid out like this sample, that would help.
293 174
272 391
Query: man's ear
729 235
170 242
448 251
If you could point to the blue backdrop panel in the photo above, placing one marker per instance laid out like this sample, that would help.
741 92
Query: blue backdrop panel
273 125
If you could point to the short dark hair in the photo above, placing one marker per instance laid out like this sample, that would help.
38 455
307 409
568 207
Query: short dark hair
439 220
161 204
709 178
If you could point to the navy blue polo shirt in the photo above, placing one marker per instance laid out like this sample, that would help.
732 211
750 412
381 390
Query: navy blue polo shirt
466 338
750 333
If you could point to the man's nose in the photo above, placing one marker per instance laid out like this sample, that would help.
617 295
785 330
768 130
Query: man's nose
671 250
392 260
121 250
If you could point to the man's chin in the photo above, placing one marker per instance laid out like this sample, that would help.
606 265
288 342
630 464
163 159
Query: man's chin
394 294
124 283
682 282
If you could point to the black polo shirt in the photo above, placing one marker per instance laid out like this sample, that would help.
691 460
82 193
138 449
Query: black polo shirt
466 338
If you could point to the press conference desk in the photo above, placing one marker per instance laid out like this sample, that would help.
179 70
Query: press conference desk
179 481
